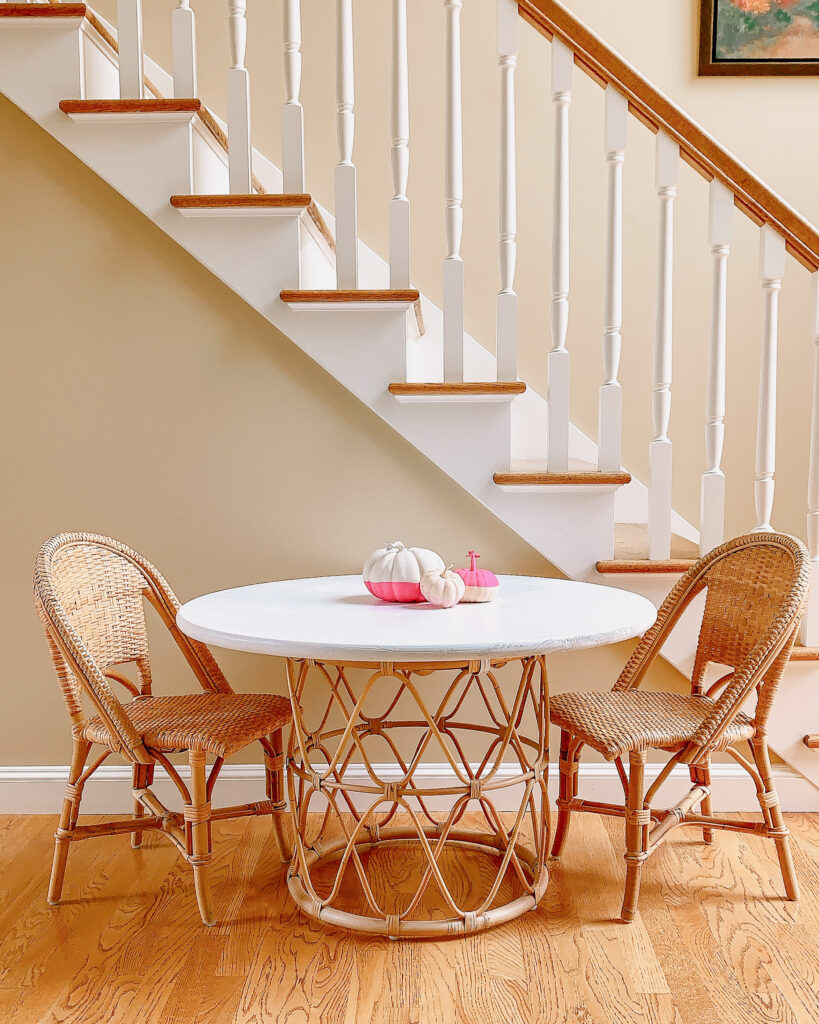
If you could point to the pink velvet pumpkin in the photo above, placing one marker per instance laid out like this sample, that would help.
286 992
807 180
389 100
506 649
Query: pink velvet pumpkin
481 585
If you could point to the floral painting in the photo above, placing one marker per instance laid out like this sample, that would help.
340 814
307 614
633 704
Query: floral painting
760 37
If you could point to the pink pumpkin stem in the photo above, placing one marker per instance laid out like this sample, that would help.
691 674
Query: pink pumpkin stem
473 556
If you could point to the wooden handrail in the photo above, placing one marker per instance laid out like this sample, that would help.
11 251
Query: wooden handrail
700 150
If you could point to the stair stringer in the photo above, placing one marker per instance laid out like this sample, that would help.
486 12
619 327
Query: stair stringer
365 351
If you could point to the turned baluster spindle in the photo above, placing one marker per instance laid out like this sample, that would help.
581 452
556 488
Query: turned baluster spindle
559 360
611 392
506 330
238 105
660 450
346 189
400 204
183 27
453 264
772 270
810 621
129 33
293 112
712 492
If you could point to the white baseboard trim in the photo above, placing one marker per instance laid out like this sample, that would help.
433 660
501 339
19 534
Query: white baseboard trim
33 789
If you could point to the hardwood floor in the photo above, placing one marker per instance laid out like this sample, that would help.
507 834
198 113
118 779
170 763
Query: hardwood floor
714 944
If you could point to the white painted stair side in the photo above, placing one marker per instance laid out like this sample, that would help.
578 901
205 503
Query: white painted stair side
365 351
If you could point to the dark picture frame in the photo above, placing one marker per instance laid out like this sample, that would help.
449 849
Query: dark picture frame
756 22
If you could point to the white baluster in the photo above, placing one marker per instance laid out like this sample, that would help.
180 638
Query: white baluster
129 33
346 197
712 492
183 26
506 330
772 270
810 622
660 451
453 264
609 453
293 112
400 204
238 105
559 360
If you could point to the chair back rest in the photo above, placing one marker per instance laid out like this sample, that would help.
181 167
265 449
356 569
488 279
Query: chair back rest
746 591
89 591
99 593
755 588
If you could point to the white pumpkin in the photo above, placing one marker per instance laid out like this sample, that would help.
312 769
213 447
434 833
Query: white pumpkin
393 573
442 587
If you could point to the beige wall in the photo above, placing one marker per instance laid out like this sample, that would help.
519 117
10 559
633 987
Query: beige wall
144 400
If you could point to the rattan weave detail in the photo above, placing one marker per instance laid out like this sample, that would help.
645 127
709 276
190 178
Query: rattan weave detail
216 723
615 723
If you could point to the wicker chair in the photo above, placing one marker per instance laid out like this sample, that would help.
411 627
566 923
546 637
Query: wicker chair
755 589
89 593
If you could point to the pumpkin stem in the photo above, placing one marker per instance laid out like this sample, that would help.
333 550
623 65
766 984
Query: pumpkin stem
449 568
473 555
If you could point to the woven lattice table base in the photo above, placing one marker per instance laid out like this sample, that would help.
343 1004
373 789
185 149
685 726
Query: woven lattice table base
377 718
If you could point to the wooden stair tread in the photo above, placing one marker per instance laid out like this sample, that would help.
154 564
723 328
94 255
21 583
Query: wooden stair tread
50 10
631 553
143 106
514 387
332 295
251 201
800 653
535 473
246 203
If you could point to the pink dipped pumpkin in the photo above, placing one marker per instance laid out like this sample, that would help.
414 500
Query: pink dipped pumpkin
480 585
393 573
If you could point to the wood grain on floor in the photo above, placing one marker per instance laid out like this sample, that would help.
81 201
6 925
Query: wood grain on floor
715 942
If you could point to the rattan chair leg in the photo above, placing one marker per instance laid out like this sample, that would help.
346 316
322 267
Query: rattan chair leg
566 791
772 812
636 819
274 776
142 778
197 814
68 818
701 776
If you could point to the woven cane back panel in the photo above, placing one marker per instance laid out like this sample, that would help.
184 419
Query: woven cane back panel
745 593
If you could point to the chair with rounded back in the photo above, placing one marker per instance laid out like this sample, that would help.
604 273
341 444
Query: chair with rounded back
90 592
755 589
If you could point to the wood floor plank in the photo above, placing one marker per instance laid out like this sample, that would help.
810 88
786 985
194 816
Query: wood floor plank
714 943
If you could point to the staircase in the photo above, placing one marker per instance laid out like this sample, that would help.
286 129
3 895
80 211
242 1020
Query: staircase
259 230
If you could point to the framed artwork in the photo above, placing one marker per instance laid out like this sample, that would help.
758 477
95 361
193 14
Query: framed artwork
759 37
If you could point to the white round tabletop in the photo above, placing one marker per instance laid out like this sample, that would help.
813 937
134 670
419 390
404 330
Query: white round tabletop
334 618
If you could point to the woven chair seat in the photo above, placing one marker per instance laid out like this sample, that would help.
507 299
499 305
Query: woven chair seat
215 723
615 723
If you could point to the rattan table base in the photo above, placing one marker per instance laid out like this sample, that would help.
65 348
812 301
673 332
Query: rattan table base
377 717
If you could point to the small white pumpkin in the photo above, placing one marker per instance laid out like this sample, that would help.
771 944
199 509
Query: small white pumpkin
442 587
393 573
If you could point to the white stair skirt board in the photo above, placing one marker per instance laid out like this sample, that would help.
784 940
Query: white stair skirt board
40 789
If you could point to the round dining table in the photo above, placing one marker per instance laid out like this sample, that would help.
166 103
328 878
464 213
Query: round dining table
378 690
